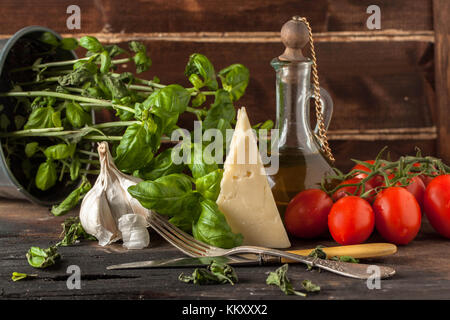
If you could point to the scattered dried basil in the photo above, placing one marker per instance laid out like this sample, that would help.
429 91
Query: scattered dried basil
215 273
280 279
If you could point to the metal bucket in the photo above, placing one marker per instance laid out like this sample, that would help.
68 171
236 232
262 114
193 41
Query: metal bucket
9 186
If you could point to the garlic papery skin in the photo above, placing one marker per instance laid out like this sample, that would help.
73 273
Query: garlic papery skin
134 231
109 200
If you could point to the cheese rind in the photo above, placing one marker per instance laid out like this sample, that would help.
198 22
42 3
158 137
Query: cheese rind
245 197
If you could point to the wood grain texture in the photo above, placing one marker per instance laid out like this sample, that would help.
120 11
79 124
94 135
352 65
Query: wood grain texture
442 74
345 150
213 15
374 85
255 37
424 276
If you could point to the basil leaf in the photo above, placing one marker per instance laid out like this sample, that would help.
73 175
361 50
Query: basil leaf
60 151
136 148
76 115
235 80
56 119
209 185
200 66
74 168
31 148
72 199
224 125
222 108
280 279
167 104
68 44
105 62
168 100
215 273
200 163
4 122
310 287
19 121
161 165
114 50
169 195
349 259
83 73
40 118
141 60
42 258
91 44
198 100
318 253
46 175
212 227
73 232
49 38
115 86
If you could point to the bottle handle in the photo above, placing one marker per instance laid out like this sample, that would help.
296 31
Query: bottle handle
327 110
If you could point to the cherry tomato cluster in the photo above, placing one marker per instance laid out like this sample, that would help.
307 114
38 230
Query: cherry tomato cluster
366 202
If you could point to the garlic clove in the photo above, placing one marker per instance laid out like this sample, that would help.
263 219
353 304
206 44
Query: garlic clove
96 217
134 231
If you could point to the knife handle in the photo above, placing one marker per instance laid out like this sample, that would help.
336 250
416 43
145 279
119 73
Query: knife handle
367 250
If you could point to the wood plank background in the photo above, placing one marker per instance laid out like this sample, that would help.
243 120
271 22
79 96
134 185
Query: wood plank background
382 82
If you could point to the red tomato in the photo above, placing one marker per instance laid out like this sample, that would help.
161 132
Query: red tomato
307 214
351 190
426 179
351 220
437 204
397 215
415 186
375 181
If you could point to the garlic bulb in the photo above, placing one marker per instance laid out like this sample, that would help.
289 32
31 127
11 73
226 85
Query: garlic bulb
108 201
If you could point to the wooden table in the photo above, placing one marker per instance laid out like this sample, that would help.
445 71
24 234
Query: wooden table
423 268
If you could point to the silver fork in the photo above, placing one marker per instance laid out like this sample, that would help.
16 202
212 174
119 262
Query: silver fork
194 248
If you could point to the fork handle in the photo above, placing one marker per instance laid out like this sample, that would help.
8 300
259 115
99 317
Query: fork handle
367 250
352 270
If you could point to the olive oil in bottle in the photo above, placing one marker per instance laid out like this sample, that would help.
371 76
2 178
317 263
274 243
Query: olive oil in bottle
301 162
297 171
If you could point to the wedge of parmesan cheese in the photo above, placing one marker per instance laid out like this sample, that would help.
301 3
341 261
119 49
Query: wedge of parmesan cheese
245 197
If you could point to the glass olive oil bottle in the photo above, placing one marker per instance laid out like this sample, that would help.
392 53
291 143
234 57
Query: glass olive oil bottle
301 162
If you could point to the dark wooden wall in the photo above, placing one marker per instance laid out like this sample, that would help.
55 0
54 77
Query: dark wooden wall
383 82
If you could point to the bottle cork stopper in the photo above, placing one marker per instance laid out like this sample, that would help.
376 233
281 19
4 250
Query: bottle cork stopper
295 36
